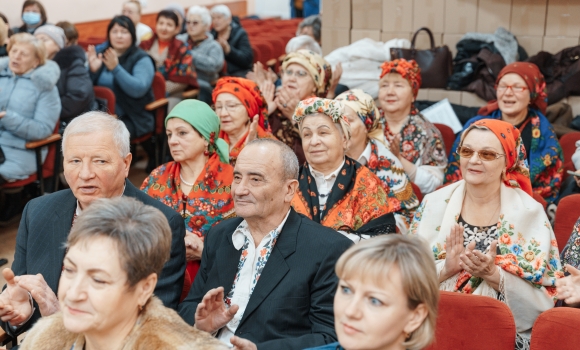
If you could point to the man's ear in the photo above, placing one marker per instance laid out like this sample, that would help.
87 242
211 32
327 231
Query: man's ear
290 187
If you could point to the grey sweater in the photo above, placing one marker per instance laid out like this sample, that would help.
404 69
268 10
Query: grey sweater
208 58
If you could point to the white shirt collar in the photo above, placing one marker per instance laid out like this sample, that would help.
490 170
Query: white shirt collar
366 155
332 175
243 231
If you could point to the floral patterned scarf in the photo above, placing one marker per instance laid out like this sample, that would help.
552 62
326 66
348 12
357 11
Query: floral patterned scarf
178 66
527 246
357 197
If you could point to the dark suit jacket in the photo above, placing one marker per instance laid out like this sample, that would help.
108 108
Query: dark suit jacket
44 228
291 306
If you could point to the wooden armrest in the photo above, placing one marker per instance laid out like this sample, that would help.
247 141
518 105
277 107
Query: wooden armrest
271 62
156 104
47 141
3 336
190 93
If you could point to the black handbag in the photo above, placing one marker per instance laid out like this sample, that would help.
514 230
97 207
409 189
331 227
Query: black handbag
435 63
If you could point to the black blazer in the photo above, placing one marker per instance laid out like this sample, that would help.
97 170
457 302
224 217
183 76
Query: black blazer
44 228
291 306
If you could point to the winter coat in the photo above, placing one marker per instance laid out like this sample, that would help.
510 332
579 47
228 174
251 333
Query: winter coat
74 86
32 108
157 327
241 57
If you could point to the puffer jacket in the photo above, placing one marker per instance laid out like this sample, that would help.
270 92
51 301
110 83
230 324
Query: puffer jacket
74 86
32 106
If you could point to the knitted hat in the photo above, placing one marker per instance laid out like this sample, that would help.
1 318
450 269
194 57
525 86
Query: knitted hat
54 32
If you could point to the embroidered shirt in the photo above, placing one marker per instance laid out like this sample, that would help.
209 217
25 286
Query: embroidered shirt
324 184
250 267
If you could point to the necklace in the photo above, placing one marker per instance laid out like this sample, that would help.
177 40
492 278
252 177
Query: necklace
190 184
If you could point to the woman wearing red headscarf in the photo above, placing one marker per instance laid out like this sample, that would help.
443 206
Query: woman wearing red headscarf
243 113
521 101
487 233
415 141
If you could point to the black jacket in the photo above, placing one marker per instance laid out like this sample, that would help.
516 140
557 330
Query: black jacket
241 57
291 306
74 86
44 228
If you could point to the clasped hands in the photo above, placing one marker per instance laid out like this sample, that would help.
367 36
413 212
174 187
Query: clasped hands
212 314
568 288
473 261
14 301
109 58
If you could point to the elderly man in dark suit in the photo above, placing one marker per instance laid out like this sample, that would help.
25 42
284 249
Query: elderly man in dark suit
96 164
267 278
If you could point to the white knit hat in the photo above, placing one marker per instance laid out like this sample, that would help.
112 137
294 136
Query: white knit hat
54 32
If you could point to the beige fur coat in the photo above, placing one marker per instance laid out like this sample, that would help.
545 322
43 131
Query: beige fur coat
157 328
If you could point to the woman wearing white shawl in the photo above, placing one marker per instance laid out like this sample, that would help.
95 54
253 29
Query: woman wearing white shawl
510 255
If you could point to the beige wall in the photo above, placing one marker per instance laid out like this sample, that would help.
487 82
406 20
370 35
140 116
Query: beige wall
90 10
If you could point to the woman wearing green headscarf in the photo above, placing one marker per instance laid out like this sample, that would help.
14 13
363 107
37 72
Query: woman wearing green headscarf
197 183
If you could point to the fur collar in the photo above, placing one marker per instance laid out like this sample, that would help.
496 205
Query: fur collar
157 328
44 77
65 57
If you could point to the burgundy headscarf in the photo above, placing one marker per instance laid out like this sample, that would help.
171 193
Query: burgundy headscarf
534 80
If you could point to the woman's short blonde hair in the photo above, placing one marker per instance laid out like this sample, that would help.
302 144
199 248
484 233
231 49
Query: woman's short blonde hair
29 39
372 259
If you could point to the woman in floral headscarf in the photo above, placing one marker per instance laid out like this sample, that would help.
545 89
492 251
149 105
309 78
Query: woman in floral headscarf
334 190
521 101
367 145
243 113
197 184
304 74
487 233
412 138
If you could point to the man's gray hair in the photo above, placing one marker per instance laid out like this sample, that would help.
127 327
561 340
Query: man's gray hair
96 121
222 10
303 42
311 21
289 159
141 234
202 12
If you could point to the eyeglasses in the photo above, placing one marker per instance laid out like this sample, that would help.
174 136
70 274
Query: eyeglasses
516 89
485 155
193 23
297 74
228 107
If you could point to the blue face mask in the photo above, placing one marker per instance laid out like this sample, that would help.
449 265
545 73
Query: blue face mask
31 18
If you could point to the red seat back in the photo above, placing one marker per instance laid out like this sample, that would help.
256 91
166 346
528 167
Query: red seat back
568 144
540 200
448 136
556 329
158 87
417 191
473 322
566 216
107 95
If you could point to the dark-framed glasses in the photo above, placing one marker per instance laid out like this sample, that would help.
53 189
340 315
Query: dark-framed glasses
484 154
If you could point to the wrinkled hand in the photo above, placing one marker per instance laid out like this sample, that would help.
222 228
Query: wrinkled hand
286 102
224 44
43 295
95 61
14 302
242 344
212 313
110 59
453 249
253 134
477 263
269 91
193 246
395 145
568 288
261 75
334 81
